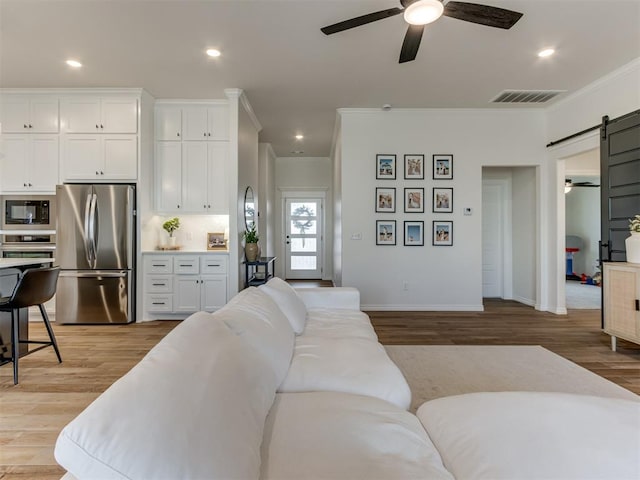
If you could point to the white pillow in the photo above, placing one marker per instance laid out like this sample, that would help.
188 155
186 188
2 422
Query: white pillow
193 408
289 302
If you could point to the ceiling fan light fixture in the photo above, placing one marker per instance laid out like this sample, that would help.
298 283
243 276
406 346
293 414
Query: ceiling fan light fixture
423 12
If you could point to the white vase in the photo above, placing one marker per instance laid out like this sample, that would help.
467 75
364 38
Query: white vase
632 245
172 241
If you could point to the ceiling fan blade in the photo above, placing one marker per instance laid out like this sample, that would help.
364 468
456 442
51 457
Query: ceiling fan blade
411 43
362 20
482 14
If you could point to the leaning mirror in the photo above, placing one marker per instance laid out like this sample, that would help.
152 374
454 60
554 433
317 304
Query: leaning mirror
249 209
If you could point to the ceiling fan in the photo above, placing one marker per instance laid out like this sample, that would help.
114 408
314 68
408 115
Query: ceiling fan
418 13
568 185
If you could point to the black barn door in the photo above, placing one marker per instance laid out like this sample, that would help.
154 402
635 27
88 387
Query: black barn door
620 182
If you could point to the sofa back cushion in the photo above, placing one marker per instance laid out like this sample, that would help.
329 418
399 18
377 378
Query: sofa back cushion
257 319
193 408
289 302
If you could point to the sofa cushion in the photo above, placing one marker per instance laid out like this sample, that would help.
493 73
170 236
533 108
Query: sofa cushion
335 297
289 302
339 323
193 408
350 365
533 435
257 319
328 435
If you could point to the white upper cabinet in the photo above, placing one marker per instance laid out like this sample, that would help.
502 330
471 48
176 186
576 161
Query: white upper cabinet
100 157
168 176
168 120
28 163
23 114
210 122
99 114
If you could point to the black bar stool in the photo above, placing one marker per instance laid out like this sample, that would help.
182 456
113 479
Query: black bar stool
36 286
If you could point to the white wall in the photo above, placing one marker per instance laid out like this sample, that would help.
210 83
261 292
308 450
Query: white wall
438 278
336 155
524 225
583 220
266 198
304 174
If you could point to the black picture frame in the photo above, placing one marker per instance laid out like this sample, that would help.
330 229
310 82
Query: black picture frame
385 200
442 200
443 166
385 166
386 232
414 233
414 200
442 233
414 167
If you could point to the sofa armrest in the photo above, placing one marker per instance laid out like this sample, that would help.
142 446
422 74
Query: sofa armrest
330 297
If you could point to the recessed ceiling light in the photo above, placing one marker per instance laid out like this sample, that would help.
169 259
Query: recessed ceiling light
73 63
299 136
212 52
547 52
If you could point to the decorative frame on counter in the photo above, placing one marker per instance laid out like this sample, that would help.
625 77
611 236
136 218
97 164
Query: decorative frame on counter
215 241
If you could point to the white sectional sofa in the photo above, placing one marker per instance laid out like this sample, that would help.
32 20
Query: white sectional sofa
293 385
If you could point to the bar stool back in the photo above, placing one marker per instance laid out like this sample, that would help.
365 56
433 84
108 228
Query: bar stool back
35 287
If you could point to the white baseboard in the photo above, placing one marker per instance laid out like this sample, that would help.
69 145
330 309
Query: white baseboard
526 301
422 308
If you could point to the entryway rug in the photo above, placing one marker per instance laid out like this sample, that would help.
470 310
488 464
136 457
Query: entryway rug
434 371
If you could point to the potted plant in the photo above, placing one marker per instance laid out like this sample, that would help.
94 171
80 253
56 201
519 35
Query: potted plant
632 243
171 226
251 249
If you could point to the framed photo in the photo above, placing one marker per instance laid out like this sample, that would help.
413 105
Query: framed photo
414 167
215 241
385 200
442 167
414 234
385 167
443 200
414 200
442 232
385 232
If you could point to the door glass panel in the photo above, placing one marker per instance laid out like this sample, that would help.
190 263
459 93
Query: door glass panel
303 226
303 245
303 263
303 209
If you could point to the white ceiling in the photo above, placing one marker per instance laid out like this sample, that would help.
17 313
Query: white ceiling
296 77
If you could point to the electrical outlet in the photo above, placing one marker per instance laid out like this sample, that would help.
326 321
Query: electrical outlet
356 236
189 235
467 211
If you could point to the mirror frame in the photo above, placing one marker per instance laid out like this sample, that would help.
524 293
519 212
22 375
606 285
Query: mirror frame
249 208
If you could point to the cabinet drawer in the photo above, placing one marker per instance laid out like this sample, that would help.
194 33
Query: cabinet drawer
212 264
185 265
159 283
159 303
158 264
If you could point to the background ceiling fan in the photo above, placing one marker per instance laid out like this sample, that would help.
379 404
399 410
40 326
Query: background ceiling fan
568 185
418 13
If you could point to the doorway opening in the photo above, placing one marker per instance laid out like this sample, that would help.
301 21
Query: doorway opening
304 236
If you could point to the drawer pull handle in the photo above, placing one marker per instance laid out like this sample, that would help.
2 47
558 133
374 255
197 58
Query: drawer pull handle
637 305
214 265
158 303
159 265
159 284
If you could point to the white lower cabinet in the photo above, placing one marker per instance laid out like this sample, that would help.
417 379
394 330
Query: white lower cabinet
185 283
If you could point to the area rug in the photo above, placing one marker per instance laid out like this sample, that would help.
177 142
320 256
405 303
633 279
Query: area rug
434 371
587 297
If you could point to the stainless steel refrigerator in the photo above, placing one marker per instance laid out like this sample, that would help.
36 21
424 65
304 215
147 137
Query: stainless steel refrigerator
96 253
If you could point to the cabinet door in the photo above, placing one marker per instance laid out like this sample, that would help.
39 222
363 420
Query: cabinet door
168 120
14 114
43 166
168 176
217 171
81 114
621 289
81 157
44 116
119 115
186 293
194 176
195 124
213 292
14 156
218 121
120 157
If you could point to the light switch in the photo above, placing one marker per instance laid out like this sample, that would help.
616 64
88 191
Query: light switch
356 236
467 211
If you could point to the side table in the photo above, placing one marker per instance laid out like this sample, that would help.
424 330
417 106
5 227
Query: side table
259 272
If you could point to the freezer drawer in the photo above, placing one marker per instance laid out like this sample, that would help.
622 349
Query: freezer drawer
94 297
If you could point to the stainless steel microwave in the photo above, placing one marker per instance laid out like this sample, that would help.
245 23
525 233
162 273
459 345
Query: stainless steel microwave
28 212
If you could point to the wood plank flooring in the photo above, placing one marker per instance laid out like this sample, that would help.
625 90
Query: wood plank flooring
50 394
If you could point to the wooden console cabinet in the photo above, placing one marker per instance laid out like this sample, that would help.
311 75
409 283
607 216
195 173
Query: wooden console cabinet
621 294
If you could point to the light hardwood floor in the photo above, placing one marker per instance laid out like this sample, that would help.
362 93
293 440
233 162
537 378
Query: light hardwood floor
50 394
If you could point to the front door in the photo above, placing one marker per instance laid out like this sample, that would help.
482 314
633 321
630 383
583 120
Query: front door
303 238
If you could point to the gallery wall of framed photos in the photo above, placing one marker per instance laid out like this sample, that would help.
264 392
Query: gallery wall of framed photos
403 180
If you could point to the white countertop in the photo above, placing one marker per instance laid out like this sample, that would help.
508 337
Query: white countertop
180 252
22 262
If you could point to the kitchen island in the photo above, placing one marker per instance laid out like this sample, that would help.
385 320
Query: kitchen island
10 270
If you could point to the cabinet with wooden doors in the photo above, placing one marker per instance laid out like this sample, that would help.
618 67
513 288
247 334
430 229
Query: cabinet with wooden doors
621 301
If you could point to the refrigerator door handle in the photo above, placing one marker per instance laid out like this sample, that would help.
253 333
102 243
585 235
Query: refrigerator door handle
92 226
93 274
87 234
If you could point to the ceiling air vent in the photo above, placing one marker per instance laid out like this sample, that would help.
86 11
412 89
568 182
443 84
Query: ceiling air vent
526 96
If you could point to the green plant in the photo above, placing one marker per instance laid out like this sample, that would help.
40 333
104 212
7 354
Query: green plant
171 225
634 224
251 235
